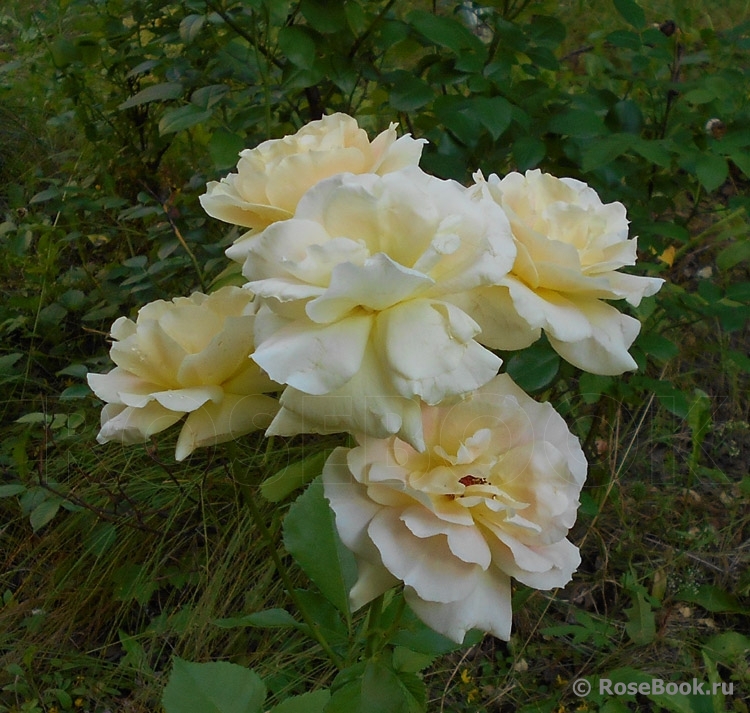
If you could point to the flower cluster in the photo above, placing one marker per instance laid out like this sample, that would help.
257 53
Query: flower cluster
375 295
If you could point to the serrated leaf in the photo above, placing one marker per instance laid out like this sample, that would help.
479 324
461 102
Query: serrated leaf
313 702
294 476
156 92
631 12
310 537
214 687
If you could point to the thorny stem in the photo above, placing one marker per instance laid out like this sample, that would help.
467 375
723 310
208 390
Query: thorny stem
238 473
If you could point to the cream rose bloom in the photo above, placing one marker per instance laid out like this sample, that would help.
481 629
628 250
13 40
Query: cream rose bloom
358 287
272 177
570 246
188 356
492 497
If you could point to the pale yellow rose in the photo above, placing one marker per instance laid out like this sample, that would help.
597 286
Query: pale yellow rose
492 497
570 248
358 317
188 356
272 177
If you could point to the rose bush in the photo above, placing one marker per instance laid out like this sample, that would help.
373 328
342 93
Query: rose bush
359 319
272 177
188 356
492 497
570 246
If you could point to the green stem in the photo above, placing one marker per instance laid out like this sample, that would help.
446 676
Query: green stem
238 473
373 636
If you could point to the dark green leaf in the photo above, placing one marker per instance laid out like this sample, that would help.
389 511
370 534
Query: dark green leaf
658 346
224 148
631 12
713 599
156 92
325 17
190 27
494 113
641 625
214 687
711 170
44 512
8 491
443 31
310 537
266 619
528 152
578 123
409 92
298 46
733 255
313 702
182 118
605 150
534 368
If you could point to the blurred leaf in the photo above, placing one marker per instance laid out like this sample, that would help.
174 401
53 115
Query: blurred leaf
266 619
444 31
298 46
156 92
631 12
183 118
190 27
528 152
11 489
495 114
711 170
641 625
578 123
213 687
409 92
44 512
224 148
733 255
713 599
605 150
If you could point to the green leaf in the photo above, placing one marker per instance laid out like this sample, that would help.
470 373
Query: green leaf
325 17
641 625
711 170
631 12
494 113
528 152
713 599
156 92
409 92
658 346
534 368
214 687
313 702
578 123
298 46
224 148
266 619
733 255
182 118
605 150
443 31
190 27
8 491
294 476
728 648
376 690
77 391
44 512
310 537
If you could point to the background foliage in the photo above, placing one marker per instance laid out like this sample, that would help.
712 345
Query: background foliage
115 114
